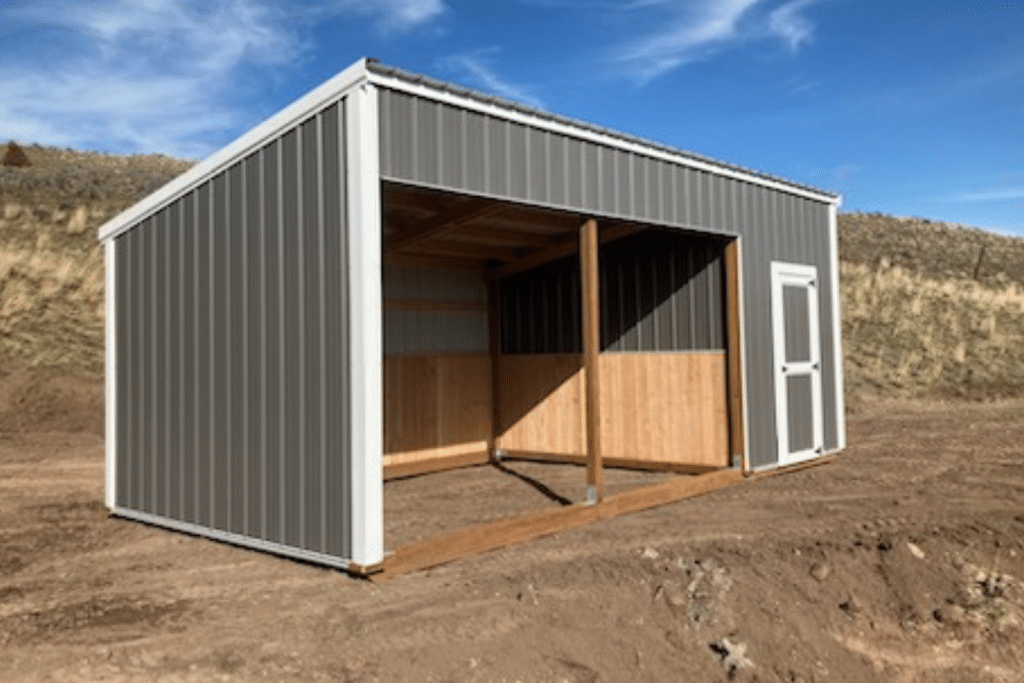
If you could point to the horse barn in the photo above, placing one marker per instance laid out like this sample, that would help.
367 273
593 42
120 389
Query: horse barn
401 322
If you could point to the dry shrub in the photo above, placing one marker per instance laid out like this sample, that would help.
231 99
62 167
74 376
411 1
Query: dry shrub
15 156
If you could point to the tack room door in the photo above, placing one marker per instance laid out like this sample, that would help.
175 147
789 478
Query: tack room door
797 355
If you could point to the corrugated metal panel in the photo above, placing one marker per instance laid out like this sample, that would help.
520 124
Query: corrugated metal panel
237 348
220 352
453 162
649 285
232 382
189 354
547 118
204 340
273 368
172 381
434 331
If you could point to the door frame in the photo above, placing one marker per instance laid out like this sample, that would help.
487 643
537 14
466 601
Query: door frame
796 274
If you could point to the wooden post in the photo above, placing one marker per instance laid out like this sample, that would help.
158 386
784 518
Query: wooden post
591 355
494 345
734 352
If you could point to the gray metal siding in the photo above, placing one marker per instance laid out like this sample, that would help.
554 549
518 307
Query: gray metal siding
434 331
232 324
775 225
660 291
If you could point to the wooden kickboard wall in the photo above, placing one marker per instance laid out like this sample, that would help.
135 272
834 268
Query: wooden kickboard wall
656 407
436 406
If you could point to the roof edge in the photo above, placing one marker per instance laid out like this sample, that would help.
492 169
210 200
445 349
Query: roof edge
313 101
381 74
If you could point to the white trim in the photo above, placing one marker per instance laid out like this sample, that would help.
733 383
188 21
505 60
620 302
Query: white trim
564 128
110 374
743 354
795 274
235 539
309 104
365 321
837 329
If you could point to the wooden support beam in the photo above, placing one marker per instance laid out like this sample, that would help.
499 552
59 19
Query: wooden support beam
494 347
452 546
473 250
591 307
734 353
420 305
486 234
443 223
428 261
442 464
619 463
569 247
668 492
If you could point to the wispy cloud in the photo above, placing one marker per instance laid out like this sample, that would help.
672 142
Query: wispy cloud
985 196
691 31
161 75
478 68
787 23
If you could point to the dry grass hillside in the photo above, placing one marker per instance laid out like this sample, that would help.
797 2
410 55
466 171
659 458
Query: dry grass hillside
51 267
51 280
929 309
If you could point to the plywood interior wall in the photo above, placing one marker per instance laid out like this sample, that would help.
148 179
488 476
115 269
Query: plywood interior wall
655 407
540 399
665 408
436 406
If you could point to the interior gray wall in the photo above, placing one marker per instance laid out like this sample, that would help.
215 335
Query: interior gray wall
434 331
660 291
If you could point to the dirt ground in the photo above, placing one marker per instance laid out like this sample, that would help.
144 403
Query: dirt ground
901 561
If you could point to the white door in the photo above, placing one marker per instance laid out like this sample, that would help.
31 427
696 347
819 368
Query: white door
797 355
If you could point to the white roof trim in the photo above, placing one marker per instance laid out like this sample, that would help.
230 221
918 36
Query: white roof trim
498 108
317 99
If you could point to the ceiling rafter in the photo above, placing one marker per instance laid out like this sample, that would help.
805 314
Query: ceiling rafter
570 246
444 223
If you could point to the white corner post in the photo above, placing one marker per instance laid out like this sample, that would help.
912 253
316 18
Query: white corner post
110 373
837 327
366 404
742 311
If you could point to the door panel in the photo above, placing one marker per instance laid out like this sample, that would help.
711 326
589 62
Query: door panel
797 353
800 403
798 333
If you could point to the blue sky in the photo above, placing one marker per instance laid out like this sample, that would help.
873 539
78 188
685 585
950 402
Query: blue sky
911 108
